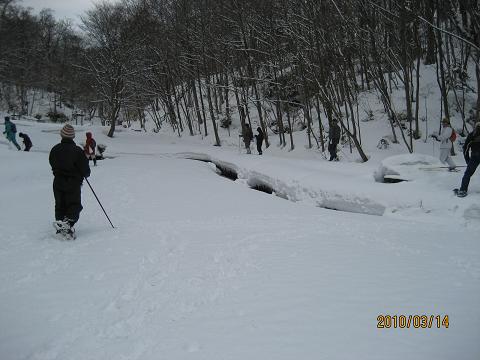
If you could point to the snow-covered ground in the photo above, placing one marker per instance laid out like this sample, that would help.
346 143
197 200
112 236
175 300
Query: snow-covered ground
202 267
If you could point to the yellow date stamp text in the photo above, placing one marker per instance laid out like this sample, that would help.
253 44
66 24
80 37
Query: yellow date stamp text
413 321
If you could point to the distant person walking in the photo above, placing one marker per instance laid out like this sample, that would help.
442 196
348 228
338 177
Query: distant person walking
70 167
259 139
10 131
334 133
247 135
89 148
445 144
472 145
26 141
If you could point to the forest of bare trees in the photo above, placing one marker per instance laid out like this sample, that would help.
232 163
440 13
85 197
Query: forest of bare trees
179 61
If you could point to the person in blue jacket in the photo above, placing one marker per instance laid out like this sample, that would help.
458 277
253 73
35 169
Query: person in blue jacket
10 131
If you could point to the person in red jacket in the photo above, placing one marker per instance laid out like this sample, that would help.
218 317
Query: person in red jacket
89 148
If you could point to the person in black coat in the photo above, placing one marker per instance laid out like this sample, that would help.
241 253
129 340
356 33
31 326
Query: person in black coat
26 141
472 144
334 133
259 139
70 166
247 137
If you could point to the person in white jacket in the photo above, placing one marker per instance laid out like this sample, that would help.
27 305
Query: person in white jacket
445 144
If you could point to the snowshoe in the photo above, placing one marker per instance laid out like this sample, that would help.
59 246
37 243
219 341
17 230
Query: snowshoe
460 193
440 168
69 234
61 225
64 230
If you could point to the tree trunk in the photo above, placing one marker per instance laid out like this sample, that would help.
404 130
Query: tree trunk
114 109
227 104
417 100
430 57
306 107
406 73
440 57
477 72
202 103
197 106
212 114
290 130
320 125
186 109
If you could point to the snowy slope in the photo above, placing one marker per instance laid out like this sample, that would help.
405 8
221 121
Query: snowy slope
201 267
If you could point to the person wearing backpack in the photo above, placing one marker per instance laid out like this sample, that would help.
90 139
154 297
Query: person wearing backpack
471 152
89 148
10 131
445 138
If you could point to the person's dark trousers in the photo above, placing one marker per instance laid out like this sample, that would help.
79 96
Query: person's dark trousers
27 148
247 146
67 200
259 148
332 149
471 167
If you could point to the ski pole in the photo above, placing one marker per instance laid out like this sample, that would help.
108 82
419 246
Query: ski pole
96 197
441 167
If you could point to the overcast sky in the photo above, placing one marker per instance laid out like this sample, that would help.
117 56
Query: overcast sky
62 8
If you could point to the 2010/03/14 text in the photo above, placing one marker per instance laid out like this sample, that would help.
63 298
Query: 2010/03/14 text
413 321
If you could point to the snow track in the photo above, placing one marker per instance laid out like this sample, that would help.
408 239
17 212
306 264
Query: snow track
294 191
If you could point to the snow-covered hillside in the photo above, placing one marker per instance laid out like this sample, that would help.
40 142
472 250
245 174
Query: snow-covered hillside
202 267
